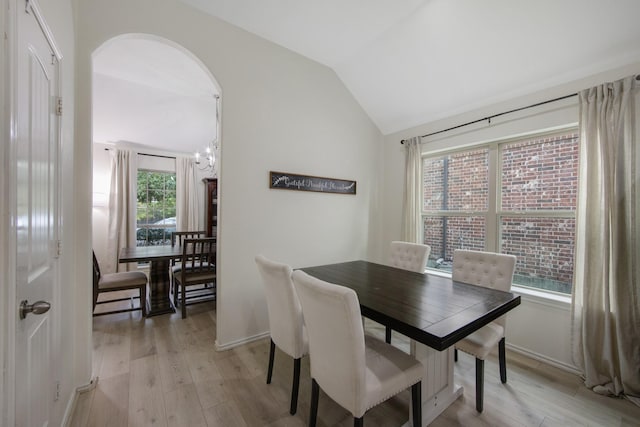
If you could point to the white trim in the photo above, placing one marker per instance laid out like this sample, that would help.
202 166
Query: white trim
544 359
8 14
73 401
237 343
551 299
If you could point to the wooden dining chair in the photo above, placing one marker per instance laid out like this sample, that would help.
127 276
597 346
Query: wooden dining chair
286 326
490 270
195 280
356 371
121 281
407 256
177 237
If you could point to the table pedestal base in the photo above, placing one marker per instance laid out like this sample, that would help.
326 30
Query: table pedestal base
159 289
438 388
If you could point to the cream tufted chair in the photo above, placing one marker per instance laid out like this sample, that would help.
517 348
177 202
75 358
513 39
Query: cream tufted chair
355 371
494 271
407 256
285 319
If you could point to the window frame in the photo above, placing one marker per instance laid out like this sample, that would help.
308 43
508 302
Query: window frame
494 213
175 191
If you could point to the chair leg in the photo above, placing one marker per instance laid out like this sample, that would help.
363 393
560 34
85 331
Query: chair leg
455 354
183 305
315 396
479 384
272 351
503 361
143 300
295 386
387 335
358 422
416 403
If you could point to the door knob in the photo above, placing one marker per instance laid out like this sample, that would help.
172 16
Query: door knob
38 307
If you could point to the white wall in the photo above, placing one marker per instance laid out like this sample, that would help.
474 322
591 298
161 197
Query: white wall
540 326
280 112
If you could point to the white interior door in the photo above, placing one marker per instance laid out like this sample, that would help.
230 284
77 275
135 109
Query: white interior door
36 218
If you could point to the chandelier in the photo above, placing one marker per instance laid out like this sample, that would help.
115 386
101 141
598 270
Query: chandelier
206 161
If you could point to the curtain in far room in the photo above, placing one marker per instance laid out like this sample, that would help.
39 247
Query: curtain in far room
187 206
411 210
122 208
606 293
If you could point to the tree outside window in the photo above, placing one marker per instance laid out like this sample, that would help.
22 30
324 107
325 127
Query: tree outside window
156 207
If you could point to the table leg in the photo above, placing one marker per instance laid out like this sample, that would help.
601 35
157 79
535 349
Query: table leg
159 289
438 388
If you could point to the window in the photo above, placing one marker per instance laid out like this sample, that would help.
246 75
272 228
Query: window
516 197
156 207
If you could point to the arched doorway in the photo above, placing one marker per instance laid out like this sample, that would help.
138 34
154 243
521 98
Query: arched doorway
156 98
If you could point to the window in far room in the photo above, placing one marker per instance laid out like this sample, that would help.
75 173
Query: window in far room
156 207
517 197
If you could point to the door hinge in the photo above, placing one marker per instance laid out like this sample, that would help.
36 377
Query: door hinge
58 106
56 249
56 394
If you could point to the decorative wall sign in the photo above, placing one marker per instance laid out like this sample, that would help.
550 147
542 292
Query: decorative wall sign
290 181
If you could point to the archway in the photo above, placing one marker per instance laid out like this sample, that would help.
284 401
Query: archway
157 98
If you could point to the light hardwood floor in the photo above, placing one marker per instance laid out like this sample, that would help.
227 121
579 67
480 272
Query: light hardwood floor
165 371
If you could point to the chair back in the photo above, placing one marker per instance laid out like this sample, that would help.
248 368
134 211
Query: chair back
198 260
283 306
336 338
96 279
409 256
487 269
179 236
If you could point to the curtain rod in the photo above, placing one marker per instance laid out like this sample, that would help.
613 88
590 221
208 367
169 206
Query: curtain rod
502 114
150 155
496 115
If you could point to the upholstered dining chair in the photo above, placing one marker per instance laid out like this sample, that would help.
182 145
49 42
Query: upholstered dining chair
121 281
408 256
195 279
285 319
490 270
356 371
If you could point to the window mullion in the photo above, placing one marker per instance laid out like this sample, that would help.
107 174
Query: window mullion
491 216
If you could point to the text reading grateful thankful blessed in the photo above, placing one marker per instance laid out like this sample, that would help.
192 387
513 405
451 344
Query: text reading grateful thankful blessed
290 181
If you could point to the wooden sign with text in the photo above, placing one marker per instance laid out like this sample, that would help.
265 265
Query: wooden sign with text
290 181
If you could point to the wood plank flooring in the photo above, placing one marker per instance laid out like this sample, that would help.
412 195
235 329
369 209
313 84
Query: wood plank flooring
165 371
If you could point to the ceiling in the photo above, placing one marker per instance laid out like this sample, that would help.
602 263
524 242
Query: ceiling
162 98
407 62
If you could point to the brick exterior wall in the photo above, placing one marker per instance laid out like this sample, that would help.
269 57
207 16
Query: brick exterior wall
537 175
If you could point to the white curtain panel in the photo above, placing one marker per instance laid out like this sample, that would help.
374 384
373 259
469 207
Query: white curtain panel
187 206
606 293
411 209
122 208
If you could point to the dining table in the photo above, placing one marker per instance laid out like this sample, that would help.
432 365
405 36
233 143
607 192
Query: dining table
432 310
159 258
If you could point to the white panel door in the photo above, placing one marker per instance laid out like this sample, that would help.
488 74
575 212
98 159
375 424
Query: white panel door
36 219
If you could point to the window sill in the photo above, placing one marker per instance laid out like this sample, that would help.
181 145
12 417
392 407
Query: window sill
541 297
528 294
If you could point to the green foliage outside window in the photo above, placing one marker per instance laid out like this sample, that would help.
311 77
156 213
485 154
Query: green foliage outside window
156 207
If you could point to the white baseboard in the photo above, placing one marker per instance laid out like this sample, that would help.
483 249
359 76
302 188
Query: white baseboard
544 359
71 405
232 344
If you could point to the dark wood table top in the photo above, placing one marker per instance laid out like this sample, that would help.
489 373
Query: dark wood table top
149 253
430 309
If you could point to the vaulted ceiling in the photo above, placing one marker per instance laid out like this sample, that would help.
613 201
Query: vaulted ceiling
409 62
